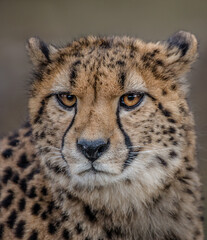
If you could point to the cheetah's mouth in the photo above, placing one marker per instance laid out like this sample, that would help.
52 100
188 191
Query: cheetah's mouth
94 170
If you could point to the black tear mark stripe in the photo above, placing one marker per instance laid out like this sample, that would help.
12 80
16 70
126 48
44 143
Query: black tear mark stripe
131 155
65 133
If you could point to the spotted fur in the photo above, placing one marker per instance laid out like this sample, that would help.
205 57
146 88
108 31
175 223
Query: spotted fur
145 185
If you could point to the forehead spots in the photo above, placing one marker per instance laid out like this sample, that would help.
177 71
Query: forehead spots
122 79
73 73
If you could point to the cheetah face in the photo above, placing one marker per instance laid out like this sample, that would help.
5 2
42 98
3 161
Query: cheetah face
109 110
95 144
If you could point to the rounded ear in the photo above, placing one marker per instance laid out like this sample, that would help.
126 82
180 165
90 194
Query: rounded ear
39 52
181 52
185 42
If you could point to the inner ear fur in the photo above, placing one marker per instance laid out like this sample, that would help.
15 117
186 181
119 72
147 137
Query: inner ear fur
39 52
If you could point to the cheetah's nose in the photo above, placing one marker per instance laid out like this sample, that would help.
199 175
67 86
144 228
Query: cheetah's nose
92 149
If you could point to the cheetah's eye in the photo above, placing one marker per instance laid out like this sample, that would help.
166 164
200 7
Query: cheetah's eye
131 100
66 99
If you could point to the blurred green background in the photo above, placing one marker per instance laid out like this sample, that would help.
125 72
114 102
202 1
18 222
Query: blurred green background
60 21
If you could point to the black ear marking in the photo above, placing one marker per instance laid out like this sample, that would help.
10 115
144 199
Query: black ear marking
178 40
39 52
182 40
44 50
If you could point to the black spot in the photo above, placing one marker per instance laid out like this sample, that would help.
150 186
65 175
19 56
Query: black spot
73 76
14 143
32 192
182 180
164 92
202 218
29 133
15 178
161 161
7 201
33 236
159 62
44 215
172 130
42 135
164 132
7 153
105 44
171 120
172 154
1 230
66 234
19 231
189 168
90 213
7 175
186 159
40 111
156 199
48 71
174 215
23 185
21 204
167 186
122 79
188 191
164 111
173 87
52 228
44 191
61 59
78 228
33 172
35 209
37 76
23 162
175 143
121 63
11 219
50 207
72 198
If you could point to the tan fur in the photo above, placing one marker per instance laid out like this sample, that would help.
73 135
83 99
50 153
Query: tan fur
146 186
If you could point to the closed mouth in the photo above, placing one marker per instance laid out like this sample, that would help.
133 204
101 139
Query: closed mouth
93 170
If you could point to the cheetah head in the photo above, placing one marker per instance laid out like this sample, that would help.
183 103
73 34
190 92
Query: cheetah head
110 110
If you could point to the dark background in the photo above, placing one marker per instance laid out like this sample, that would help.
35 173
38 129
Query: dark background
60 21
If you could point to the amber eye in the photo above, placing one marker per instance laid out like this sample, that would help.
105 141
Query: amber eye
67 100
131 100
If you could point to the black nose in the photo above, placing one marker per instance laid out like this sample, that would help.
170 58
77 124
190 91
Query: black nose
92 149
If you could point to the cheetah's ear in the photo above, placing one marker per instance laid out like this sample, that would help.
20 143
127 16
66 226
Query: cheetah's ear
181 52
39 52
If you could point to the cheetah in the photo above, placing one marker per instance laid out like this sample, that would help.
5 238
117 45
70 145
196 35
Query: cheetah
108 151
